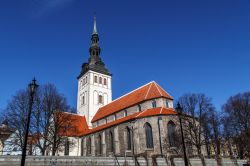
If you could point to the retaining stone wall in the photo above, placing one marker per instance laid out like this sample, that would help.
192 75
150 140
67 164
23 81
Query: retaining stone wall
101 161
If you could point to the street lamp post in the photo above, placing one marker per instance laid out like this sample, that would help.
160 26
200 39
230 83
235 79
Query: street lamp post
32 89
179 110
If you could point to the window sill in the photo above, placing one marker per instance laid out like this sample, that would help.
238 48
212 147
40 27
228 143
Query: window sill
149 149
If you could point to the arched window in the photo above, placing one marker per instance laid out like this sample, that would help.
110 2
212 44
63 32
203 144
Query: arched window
83 99
100 80
171 133
129 138
100 99
66 151
100 144
149 135
88 146
153 103
86 79
95 79
111 143
105 81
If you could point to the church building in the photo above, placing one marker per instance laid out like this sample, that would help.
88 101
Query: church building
141 121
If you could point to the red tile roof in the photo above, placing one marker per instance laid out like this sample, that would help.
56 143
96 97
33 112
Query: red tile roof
71 124
137 115
149 91
33 139
156 111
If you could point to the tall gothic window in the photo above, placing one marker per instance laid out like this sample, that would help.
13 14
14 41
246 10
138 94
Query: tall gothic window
153 103
88 146
111 141
95 79
82 147
66 151
149 135
100 99
86 79
171 133
129 138
100 144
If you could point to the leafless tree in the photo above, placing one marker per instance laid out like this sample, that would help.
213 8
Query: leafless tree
236 121
196 107
214 122
16 113
47 102
44 123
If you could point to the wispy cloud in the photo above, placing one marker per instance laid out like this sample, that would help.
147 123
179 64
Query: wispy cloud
43 7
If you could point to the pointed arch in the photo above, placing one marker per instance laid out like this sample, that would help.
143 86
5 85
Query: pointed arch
100 144
171 133
88 143
149 135
129 138
111 143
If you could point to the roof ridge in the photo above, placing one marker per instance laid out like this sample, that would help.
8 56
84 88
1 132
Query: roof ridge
148 90
157 88
128 93
157 85
161 109
141 112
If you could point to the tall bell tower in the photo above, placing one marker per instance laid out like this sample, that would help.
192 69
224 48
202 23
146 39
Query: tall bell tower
94 82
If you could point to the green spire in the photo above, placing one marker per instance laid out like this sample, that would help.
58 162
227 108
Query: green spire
94 30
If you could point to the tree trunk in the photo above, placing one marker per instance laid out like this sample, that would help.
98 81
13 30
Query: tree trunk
208 150
201 156
54 146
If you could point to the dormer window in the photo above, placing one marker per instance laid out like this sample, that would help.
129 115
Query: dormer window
153 103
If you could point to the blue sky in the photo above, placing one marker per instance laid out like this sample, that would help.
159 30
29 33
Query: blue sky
185 46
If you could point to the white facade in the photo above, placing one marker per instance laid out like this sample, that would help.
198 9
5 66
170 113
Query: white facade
94 91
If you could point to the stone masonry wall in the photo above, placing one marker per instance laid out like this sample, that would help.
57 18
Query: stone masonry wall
101 161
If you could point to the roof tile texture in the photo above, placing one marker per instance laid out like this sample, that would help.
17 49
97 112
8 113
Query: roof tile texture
149 91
